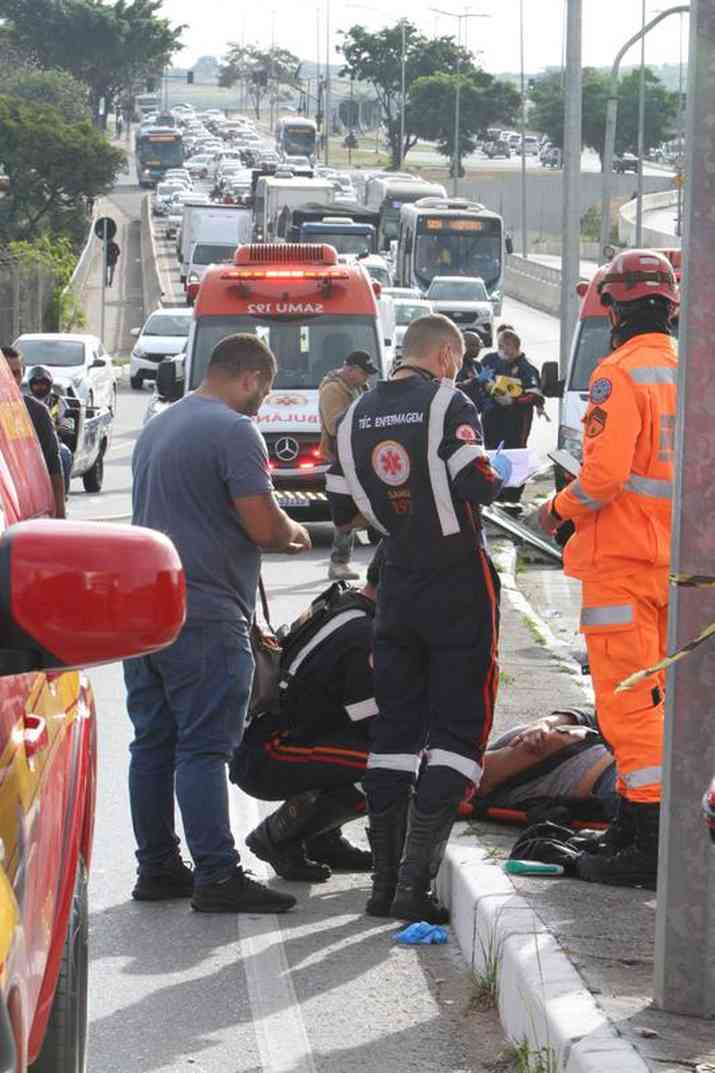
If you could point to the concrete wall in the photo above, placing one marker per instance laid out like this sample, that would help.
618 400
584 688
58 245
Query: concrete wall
652 239
534 284
151 281
79 278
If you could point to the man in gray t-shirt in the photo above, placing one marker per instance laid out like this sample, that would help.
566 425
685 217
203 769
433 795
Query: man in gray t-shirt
201 476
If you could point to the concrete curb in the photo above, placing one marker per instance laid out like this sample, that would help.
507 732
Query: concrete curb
542 999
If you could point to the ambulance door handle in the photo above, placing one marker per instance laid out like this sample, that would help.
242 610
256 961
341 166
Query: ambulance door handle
35 736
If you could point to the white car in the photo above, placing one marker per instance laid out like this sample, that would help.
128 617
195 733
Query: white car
198 166
164 333
79 365
377 268
464 299
407 310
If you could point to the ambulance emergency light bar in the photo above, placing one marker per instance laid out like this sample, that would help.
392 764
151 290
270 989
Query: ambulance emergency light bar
288 253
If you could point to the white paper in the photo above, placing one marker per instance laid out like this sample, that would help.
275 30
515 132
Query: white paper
523 462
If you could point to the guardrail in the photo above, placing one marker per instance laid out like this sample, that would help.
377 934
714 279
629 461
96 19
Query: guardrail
535 284
652 239
152 289
71 312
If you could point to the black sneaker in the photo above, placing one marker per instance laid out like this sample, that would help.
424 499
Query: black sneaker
239 894
176 880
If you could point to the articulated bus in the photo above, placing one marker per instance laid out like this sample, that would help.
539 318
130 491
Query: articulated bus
157 150
296 136
440 237
386 194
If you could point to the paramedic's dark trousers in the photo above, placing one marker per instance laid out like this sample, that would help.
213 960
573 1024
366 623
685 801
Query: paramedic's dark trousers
436 674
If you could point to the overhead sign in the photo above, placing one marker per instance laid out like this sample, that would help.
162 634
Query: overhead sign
105 228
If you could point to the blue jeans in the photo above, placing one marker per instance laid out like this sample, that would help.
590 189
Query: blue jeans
187 704
66 459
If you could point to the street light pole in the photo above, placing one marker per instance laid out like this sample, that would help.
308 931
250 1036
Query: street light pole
524 223
681 118
571 219
327 82
641 135
402 97
612 117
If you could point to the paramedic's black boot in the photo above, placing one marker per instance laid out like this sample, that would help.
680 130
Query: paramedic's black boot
427 838
279 840
323 838
618 835
635 865
387 838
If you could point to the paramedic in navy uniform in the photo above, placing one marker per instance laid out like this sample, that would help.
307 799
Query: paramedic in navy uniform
410 463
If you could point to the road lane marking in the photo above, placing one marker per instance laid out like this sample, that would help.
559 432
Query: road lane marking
281 1035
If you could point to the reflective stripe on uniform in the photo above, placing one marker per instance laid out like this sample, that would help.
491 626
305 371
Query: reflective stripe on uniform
578 490
651 487
362 709
347 461
613 615
337 484
437 468
444 758
463 456
393 762
655 374
325 631
645 776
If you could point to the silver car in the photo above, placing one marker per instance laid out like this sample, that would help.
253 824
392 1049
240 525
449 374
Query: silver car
464 299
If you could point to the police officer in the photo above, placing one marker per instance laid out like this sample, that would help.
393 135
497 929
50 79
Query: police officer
621 507
411 464
315 749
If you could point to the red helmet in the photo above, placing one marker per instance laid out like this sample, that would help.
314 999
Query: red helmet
637 274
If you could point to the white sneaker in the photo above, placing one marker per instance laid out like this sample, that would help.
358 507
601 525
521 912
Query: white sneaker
342 572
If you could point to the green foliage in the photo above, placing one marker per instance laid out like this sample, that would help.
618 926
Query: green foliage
108 46
54 168
483 100
547 112
58 88
376 58
263 70
57 257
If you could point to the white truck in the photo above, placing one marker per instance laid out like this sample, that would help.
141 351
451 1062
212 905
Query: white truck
215 225
275 194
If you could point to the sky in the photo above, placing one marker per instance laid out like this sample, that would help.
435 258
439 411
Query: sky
293 24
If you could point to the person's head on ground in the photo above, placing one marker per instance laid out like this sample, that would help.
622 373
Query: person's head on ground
358 367
435 344
40 381
509 345
472 346
240 372
16 363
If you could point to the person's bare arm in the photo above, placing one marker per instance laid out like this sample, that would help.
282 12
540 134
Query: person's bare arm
58 490
518 756
270 527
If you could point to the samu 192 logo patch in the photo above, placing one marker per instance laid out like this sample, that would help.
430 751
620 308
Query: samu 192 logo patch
391 462
595 422
601 390
466 433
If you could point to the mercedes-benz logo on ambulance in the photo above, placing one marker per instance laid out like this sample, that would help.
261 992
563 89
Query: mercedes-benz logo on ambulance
287 449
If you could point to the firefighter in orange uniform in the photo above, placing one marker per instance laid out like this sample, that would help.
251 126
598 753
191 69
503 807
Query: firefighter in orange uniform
621 507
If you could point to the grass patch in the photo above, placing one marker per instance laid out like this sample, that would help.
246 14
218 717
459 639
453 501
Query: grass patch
527 1060
534 631
122 359
506 679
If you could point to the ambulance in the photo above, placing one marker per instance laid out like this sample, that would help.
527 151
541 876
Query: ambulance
312 311
591 342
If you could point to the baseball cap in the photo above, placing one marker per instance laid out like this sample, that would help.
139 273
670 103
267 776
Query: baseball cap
362 360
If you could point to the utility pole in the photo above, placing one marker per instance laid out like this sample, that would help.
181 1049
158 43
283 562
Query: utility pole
571 218
402 97
524 219
681 121
641 136
327 82
685 914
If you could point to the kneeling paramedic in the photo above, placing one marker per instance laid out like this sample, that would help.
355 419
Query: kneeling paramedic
621 509
410 463
314 749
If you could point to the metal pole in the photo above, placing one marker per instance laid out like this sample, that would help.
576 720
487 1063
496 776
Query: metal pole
679 224
105 242
327 82
571 218
402 98
641 136
524 222
455 163
612 117
685 913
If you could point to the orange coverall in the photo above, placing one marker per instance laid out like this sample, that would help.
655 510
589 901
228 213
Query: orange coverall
621 506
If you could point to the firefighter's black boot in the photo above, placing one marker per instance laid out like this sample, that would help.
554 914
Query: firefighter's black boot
387 838
279 840
324 841
427 837
618 835
635 865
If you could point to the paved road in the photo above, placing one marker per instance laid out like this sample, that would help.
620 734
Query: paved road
478 161
322 990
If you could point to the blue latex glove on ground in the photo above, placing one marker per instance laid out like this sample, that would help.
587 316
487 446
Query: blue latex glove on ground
502 465
421 934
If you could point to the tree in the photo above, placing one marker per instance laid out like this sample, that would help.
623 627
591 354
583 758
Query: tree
484 100
58 88
661 110
108 46
264 71
376 58
54 168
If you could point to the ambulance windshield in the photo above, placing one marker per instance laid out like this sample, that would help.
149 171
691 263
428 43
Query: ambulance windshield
306 349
